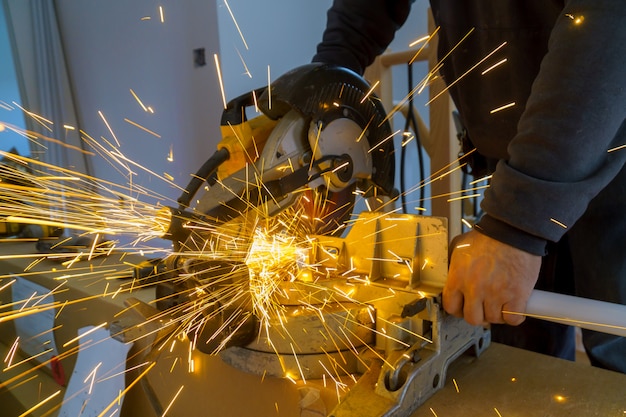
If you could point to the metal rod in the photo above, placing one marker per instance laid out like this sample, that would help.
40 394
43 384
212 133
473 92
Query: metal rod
576 311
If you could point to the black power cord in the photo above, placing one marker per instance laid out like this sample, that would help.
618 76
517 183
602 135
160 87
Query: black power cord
410 122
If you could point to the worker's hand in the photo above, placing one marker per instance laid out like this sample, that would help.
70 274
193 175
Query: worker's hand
487 277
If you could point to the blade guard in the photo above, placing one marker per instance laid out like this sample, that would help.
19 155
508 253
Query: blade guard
323 93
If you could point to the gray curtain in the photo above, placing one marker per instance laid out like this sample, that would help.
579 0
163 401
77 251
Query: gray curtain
44 83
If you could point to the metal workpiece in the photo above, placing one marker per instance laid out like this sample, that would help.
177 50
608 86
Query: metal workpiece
600 316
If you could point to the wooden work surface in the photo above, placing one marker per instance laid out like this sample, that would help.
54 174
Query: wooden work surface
503 382
511 382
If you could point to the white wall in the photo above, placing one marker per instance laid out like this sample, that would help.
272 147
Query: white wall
283 34
111 49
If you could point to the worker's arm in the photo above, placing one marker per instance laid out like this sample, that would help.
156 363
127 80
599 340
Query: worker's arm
561 157
556 163
358 31
559 160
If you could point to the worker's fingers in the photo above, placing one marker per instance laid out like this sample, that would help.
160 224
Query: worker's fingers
473 312
487 277
453 302
493 311
480 311
513 313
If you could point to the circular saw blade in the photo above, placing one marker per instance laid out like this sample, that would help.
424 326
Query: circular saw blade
325 212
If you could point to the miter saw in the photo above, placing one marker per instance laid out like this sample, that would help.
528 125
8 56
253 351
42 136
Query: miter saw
319 128
357 295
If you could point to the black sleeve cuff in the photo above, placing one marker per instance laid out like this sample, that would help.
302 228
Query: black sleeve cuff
510 235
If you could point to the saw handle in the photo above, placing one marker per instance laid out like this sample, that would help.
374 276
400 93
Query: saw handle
233 122
235 111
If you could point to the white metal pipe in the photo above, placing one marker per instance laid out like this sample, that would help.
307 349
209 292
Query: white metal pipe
576 311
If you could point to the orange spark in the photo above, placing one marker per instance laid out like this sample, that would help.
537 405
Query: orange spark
219 76
138 100
236 24
142 128
506 106
109 127
162 14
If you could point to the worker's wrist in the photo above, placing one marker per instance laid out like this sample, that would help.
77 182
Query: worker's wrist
510 235
342 58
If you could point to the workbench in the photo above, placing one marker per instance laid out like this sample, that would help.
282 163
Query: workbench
511 382
503 381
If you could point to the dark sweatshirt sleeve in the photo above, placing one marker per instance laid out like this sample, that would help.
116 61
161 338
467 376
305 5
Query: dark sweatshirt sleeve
561 157
357 31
